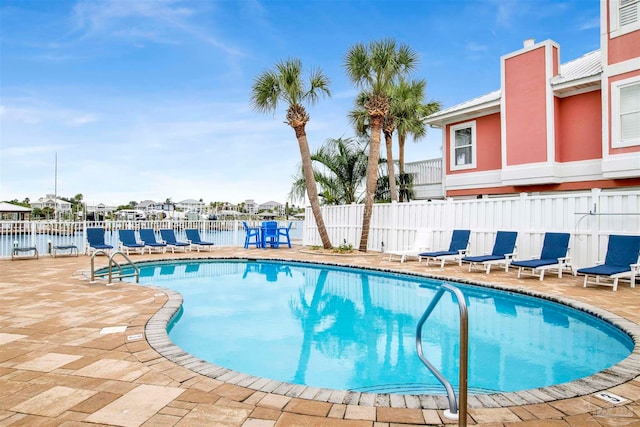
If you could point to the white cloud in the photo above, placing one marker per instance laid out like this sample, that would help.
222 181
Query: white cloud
157 21
39 114
474 47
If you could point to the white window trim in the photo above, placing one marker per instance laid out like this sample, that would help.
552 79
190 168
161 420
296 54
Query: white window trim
615 113
452 146
614 21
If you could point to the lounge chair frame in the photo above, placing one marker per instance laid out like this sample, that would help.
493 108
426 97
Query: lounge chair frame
168 236
455 252
128 243
194 239
604 278
496 257
148 237
421 243
536 267
95 241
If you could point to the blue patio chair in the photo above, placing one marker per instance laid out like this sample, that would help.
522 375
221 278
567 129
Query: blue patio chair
95 240
457 249
283 234
270 235
622 261
252 236
128 242
503 252
148 237
168 235
554 255
193 236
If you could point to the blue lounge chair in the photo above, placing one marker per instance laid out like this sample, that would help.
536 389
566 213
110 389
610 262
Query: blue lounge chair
193 236
95 240
503 252
554 255
148 237
622 261
457 249
283 235
252 236
270 235
169 237
128 242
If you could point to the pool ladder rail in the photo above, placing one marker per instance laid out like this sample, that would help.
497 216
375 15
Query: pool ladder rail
109 273
454 412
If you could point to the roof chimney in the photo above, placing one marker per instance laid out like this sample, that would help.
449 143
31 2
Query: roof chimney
529 42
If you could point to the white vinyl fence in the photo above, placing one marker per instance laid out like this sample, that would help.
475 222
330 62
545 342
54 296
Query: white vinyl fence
43 234
590 217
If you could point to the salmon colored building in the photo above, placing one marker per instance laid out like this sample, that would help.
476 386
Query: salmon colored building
552 126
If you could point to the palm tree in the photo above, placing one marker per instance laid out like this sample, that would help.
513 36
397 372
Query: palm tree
388 126
340 171
285 84
360 120
375 68
409 110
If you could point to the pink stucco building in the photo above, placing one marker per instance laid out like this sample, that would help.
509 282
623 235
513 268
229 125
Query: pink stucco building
552 126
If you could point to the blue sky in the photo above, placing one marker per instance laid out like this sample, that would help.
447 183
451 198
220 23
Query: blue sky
151 99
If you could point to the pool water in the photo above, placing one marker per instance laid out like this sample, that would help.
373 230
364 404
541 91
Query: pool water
354 329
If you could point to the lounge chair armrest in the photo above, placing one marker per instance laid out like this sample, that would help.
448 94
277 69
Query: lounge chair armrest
463 252
635 268
510 257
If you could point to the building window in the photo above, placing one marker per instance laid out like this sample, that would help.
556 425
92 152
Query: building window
625 16
625 113
629 11
463 146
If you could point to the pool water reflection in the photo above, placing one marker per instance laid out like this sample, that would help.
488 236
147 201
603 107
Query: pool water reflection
353 329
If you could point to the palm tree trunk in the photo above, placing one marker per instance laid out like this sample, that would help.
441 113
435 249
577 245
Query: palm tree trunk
401 139
372 179
390 166
312 188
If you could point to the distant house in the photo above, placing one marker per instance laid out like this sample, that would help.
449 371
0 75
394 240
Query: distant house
250 206
11 212
552 126
149 206
272 206
50 201
191 205
99 212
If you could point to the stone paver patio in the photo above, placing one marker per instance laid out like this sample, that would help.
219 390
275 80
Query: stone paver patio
74 353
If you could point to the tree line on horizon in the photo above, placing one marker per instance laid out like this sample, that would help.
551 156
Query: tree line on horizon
388 102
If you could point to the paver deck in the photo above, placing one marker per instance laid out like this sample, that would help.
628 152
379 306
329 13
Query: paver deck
74 353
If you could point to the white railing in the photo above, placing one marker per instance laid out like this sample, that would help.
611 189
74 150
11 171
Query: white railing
590 217
425 171
44 234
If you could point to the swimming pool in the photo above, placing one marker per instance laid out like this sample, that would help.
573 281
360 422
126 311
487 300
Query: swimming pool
354 329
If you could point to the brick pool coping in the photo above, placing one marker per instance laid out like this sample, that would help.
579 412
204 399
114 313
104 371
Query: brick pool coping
624 371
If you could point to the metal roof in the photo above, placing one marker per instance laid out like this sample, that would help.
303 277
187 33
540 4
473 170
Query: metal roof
487 98
588 65
10 207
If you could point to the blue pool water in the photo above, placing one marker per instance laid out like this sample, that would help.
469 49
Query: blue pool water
354 329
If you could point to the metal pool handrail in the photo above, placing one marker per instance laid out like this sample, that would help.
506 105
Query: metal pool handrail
112 262
453 412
